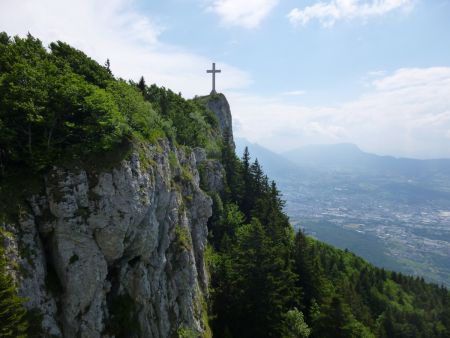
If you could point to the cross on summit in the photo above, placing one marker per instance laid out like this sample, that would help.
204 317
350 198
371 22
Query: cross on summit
213 71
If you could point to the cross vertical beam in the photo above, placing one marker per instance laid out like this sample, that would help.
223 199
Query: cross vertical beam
213 71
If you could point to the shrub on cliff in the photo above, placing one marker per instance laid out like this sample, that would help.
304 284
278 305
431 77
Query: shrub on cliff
12 312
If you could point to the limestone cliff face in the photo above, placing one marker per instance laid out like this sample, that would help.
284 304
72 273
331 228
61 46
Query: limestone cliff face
219 105
121 250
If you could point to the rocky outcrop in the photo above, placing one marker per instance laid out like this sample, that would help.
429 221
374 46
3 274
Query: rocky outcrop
212 172
121 252
219 105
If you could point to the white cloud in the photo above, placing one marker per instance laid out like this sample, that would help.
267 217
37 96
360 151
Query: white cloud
412 77
327 13
295 93
116 30
244 13
405 113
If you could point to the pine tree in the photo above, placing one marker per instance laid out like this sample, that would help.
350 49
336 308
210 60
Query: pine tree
257 180
247 198
141 85
336 321
12 312
233 171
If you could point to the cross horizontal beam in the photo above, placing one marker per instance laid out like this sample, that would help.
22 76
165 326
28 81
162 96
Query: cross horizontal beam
213 71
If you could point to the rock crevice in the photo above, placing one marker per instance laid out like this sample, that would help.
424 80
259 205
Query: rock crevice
127 245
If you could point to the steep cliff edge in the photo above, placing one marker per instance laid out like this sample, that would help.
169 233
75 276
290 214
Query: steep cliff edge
219 105
120 252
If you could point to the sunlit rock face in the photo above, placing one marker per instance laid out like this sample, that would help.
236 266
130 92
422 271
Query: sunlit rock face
219 105
120 247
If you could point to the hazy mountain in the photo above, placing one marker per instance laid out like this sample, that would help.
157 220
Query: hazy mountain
347 157
275 165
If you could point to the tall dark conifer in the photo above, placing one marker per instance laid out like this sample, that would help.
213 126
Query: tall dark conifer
247 197
141 85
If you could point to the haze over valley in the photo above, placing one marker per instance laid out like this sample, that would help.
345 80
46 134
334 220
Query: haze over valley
394 212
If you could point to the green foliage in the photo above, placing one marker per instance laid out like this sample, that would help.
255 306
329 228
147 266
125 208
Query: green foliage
193 123
213 149
183 237
255 242
60 104
186 175
13 321
145 123
81 64
294 325
255 266
185 332
359 300
47 109
173 161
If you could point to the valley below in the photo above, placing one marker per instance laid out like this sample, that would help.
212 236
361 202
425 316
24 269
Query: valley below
396 216
408 238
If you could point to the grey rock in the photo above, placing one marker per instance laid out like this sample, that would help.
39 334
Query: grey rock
120 237
219 105
200 155
213 175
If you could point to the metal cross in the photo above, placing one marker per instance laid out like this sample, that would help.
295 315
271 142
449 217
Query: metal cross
213 71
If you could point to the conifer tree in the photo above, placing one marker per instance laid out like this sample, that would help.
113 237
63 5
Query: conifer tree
247 197
141 85
12 312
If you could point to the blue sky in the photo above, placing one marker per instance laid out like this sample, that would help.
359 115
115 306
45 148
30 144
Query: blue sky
313 58
373 73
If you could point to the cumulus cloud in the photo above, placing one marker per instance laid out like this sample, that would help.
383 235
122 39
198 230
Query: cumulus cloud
404 113
247 14
118 31
327 13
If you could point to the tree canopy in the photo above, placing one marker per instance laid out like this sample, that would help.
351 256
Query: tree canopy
59 101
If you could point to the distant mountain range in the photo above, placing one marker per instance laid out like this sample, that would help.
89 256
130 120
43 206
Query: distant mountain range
275 165
348 157
395 212
345 158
